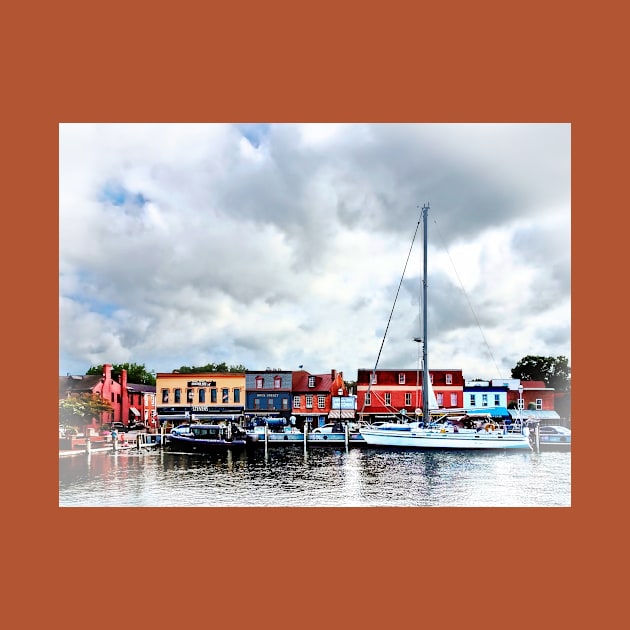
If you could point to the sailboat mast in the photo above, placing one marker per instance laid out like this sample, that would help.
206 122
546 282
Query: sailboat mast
425 364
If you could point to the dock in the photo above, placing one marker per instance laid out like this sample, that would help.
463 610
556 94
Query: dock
150 441
312 439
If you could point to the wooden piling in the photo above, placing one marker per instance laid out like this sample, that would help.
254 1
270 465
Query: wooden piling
266 439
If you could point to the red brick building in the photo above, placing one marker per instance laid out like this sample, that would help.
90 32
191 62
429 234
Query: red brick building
129 401
393 390
536 393
312 395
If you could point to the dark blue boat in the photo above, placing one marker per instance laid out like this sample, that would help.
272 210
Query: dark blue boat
208 438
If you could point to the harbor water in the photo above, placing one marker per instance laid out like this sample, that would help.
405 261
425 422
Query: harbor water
321 477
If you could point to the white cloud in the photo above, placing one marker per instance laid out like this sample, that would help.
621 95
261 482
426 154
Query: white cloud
186 244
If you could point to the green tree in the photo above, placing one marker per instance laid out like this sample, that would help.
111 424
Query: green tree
554 371
211 367
135 373
79 410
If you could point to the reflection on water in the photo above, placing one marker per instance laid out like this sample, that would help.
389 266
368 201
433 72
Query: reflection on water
322 477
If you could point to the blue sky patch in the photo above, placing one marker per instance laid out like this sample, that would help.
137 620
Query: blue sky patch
254 132
116 194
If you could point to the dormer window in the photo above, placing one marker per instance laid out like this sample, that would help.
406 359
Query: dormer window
311 381
259 382
374 379
449 379
277 382
401 378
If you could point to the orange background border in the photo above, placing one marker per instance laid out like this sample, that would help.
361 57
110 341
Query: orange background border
284 61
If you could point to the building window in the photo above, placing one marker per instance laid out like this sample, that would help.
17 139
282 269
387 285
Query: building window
321 402
497 400
213 395
178 395
368 400
259 382
539 403
285 403
311 381
189 395
164 395
257 403
202 395
237 395
388 398
440 399
407 400
296 402
401 378
473 400
277 382
225 392
449 379
309 402
484 400
270 404
453 400
374 378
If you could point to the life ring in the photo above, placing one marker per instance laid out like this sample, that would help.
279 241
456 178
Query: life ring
489 427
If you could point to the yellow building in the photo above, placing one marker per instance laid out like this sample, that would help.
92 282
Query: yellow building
205 396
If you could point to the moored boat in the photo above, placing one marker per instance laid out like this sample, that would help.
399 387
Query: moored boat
428 433
443 435
208 438
554 437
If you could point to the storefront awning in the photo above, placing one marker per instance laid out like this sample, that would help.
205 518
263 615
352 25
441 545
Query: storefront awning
134 411
498 412
345 413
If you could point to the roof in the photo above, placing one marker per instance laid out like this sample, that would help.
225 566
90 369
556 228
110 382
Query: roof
78 384
323 382
141 387
536 414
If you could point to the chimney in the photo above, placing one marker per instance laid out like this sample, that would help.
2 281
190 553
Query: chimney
333 374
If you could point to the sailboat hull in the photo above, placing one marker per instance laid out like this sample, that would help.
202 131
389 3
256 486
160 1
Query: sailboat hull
437 439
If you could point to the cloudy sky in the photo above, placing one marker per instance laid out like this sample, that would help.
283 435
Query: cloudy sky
280 245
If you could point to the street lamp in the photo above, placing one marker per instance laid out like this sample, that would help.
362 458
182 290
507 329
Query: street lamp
520 402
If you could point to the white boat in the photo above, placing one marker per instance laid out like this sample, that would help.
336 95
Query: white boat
554 437
436 430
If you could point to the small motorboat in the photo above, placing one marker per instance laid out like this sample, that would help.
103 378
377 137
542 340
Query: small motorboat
554 437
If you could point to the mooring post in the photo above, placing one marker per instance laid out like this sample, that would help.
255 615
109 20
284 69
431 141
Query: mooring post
347 435
266 439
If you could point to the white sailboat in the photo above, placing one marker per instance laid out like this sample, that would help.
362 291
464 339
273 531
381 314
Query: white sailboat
444 430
